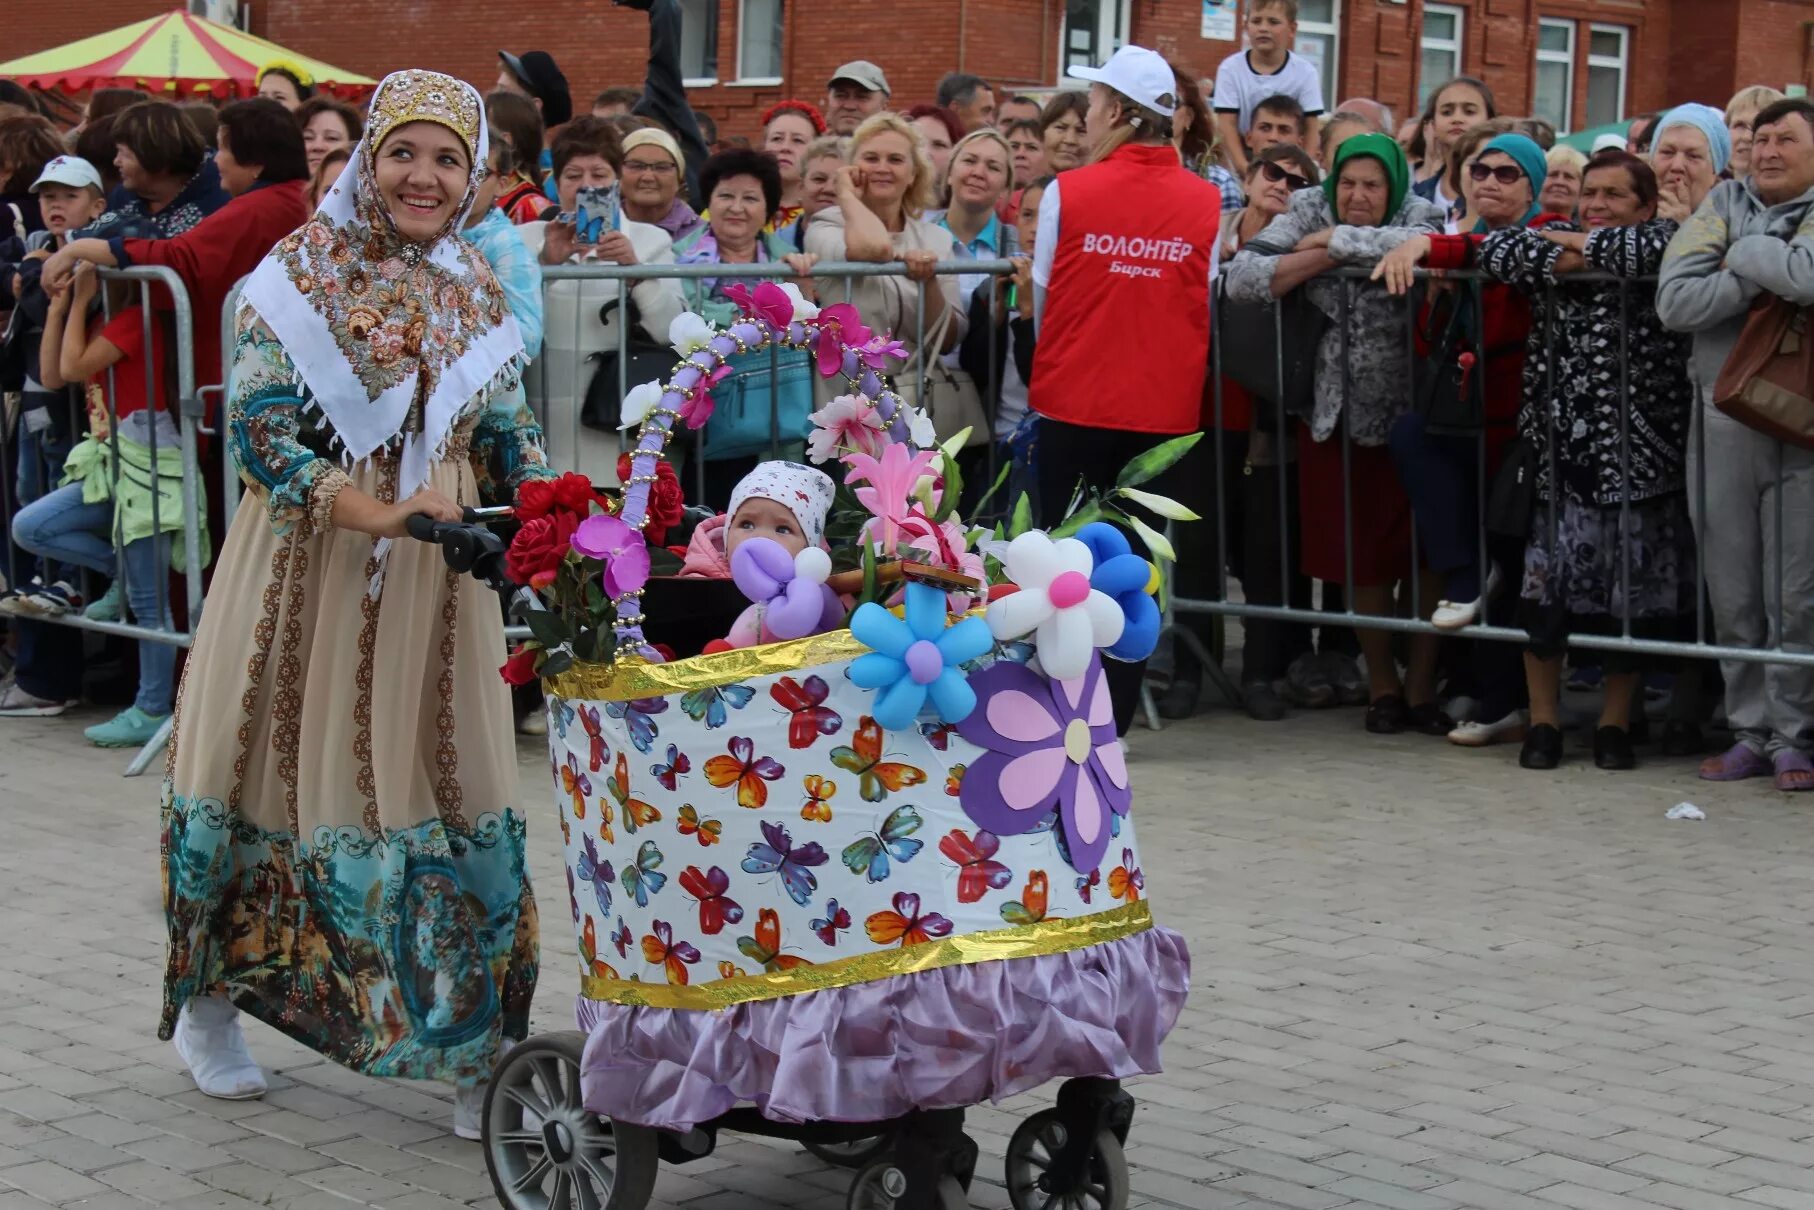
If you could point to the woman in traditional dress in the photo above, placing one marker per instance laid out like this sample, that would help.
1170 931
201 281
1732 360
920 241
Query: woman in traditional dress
343 857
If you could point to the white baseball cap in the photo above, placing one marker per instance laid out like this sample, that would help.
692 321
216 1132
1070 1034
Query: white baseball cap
70 170
1609 142
1140 75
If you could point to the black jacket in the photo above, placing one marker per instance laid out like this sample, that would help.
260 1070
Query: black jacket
664 97
973 353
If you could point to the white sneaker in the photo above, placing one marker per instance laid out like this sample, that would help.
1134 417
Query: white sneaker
209 1040
469 1110
1479 735
533 723
1453 615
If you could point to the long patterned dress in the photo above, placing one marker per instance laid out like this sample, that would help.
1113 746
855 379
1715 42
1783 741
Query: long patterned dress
343 853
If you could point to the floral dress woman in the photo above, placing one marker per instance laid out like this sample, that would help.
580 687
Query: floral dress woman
343 853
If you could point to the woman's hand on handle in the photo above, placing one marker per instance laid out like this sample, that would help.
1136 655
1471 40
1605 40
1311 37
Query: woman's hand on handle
363 513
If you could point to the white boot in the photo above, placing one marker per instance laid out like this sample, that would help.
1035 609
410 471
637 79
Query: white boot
213 1048
469 1110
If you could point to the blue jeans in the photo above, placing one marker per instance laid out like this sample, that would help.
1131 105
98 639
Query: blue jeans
60 526
40 465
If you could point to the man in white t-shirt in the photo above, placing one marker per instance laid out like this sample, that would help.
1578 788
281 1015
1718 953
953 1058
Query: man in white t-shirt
1266 68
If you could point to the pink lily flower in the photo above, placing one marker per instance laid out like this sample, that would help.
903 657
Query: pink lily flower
839 324
848 424
888 494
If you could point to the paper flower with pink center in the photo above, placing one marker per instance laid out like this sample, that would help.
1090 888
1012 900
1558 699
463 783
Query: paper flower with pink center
1068 618
1049 746
619 547
916 658
889 485
848 424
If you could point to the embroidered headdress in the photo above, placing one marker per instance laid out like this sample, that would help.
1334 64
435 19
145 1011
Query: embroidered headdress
392 337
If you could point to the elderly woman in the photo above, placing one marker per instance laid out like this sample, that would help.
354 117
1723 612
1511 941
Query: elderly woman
743 190
1364 210
788 129
1741 116
1062 120
1562 187
581 338
883 194
165 167
1689 150
342 856
653 173
1610 536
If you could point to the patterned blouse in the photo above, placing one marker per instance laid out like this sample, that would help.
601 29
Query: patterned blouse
282 444
1582 349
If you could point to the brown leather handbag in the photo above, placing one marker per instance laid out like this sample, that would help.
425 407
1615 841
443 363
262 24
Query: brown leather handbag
1767 382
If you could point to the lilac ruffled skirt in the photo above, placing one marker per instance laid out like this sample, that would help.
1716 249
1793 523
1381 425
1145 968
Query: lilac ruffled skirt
956 1036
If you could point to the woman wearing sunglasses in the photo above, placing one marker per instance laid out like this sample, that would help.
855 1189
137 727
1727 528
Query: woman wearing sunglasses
1251 458
1500 185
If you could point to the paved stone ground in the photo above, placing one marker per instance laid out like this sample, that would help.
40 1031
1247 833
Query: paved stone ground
1424 979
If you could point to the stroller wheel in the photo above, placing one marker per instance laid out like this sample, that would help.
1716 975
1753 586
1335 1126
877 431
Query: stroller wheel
1032 1154
545 1151
881 1185
854 1154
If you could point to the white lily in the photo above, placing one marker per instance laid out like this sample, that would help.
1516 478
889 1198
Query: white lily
640 403
690 333
804 308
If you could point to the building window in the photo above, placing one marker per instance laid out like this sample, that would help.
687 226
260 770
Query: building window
1555 84
699 41
1608 50
759 42
1441 47
1093 30
1318 41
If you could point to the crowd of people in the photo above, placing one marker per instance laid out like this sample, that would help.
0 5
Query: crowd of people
1362 452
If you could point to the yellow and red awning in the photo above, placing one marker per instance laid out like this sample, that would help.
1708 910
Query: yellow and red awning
175 54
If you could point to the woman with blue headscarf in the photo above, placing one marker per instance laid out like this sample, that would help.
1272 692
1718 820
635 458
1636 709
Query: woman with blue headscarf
1689 151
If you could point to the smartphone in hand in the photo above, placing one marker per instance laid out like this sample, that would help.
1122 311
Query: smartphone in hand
597 210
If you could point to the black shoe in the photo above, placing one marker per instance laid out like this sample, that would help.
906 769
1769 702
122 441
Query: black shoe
1262 701
1639 728
1612 749
1386 715
1179 701
1542 748
1428 719
1683 739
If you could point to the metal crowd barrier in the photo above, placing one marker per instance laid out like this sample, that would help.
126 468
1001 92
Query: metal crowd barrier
1412 620
188 412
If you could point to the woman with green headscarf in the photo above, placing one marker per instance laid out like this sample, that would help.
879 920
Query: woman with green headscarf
1364 210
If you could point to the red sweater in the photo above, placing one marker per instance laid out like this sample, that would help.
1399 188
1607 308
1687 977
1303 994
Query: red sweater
214 254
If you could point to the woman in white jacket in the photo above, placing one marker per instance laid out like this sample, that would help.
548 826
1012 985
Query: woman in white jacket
582 316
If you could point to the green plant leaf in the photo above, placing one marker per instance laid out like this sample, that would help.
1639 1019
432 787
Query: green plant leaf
1165 506
1022 519
1156 461
955 445
1155 541
1093 511
869 573
585 647
981 507
954 488
548 627
555 663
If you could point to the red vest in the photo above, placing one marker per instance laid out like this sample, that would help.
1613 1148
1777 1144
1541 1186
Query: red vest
1124 338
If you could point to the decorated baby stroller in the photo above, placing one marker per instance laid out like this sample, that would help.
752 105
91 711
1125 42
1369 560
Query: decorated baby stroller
836 888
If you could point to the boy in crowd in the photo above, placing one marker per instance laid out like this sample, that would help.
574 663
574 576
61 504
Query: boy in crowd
1267 68
1277 121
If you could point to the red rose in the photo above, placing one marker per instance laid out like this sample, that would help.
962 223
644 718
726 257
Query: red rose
666 500
534 499
666 652
540 547
519 669
575 493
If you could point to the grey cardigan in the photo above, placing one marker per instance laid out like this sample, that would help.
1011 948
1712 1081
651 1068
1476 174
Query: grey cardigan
1376 356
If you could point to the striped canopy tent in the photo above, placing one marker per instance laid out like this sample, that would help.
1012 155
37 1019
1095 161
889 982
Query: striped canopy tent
175 54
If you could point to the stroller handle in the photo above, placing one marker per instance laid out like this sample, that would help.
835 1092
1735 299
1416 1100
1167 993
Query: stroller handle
467 545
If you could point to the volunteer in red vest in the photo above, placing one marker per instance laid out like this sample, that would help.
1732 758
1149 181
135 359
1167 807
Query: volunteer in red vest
1121 300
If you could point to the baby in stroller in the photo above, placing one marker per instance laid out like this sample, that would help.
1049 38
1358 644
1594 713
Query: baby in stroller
779 509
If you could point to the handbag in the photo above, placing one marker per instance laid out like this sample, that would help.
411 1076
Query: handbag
1767 382
1449 387
1270 350
952 400
1512 500
759 412
645 361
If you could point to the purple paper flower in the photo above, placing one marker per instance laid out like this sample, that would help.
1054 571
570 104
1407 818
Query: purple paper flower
619 547
1050 745
876 351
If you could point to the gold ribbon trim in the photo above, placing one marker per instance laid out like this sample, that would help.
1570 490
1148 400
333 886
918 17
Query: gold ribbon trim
1022 941
632 679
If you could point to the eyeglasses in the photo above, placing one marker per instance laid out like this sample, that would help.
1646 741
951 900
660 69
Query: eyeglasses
661 168
1505 174
1275 174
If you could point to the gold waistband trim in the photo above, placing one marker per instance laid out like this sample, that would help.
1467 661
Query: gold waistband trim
631 679
1022 941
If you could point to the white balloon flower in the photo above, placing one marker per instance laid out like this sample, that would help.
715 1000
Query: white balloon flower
1055 600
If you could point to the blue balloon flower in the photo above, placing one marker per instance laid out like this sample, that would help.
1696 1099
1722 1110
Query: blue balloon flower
916 658
1123 576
